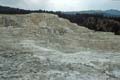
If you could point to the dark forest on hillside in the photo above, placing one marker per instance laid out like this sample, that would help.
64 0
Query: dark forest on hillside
96 22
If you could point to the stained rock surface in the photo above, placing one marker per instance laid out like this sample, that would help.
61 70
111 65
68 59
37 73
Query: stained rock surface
46 47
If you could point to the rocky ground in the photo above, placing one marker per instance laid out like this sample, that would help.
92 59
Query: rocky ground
46 47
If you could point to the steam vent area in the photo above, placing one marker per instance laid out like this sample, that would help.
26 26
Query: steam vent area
42 46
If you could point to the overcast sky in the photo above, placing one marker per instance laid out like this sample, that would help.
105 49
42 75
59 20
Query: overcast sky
63 5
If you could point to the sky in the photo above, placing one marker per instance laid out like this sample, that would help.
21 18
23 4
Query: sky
63 5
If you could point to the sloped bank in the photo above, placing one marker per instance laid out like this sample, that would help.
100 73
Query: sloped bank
46 47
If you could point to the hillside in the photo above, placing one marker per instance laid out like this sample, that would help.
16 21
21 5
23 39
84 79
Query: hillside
104 21
96 22
108 13
42 46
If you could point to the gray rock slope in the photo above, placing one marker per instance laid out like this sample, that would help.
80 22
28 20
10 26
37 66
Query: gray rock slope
46 47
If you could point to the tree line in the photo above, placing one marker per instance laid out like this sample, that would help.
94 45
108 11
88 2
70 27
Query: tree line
97 22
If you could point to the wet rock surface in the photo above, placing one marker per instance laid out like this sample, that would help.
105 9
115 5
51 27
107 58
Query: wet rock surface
46 47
